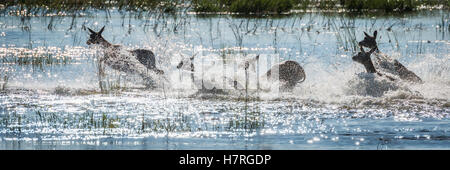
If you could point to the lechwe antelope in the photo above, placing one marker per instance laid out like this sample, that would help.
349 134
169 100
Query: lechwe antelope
386 64
364 59
136 62
288 73
203 86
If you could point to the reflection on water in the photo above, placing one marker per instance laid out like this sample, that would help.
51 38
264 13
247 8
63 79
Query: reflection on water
50 96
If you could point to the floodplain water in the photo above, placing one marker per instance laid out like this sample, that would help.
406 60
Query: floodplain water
51 99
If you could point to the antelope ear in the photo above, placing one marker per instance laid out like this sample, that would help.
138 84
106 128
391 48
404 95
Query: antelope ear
375 34
101 30
367 35
92 32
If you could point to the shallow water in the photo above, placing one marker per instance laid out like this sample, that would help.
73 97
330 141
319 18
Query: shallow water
51 99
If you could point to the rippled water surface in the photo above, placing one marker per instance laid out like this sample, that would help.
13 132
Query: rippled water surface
51 98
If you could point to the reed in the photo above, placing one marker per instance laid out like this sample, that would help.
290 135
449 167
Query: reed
37 57
282 6
4 76
33 7
258 7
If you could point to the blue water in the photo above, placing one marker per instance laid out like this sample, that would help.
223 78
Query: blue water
59 105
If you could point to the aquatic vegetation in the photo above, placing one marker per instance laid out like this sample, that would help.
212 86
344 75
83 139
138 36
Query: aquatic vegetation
37 57
261 6
55 94
4 71
71 7
4 83
275 122
207 6
280 6
35 7
386 5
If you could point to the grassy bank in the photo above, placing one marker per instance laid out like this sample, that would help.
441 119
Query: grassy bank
391 5
224 6
243 6
279 6
31 7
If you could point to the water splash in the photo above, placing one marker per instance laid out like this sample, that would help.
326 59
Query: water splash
336 107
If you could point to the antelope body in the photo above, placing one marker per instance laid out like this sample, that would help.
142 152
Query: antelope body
289 72
396 68
139 60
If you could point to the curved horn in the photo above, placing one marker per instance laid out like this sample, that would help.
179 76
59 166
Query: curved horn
101 30
367 35
375 34
92 32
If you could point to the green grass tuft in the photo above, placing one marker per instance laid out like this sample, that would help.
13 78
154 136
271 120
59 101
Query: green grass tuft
34 7
243 6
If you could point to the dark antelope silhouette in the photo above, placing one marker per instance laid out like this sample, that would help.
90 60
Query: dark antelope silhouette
124 63
289 73
396 68
364 59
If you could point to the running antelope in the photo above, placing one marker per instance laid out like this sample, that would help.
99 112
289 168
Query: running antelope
395 68
188 65
125 63
289 73
364 59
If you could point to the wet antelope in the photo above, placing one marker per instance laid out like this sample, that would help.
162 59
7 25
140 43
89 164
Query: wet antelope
191 66
364 59
125 63
289 73
188 65
396 67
